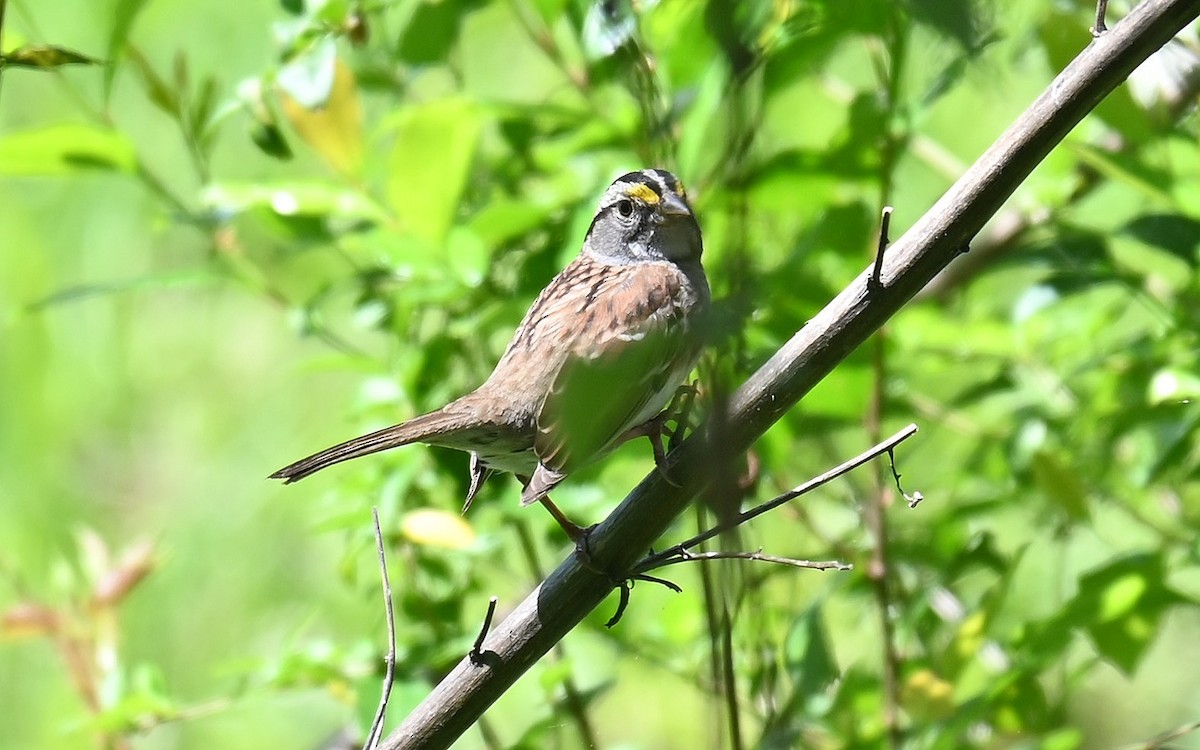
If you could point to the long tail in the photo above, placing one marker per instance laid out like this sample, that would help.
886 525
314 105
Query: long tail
414 430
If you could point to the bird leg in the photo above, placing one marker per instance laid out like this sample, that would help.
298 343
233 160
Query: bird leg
573 530
654 428
579 535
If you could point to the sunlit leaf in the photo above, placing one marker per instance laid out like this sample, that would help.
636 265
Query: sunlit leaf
1121 604
63 149
309 77
292 199
549 10
1173 385
437 528
501 221
927 695
144 702
332 125
430 163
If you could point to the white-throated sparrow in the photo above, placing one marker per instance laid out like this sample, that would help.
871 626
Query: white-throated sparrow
597 357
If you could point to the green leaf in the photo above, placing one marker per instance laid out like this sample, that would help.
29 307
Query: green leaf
159 91
961 20
503 220
1121 604
429 165
44 57
1176 234
549 10
269 139
1061 484
809 659
124 14
65 149
431 32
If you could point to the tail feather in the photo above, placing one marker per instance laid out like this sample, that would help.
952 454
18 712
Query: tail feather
415 430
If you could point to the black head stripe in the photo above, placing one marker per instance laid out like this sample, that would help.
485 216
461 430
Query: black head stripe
667 180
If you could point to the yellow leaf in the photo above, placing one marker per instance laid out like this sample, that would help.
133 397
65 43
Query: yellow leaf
437 528
333 129
927 696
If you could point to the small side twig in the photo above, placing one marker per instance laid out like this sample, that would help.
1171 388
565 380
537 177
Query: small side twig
885 223
476 652
657 560
915 498
682 552
389 676
1161 740
1101 10
688 556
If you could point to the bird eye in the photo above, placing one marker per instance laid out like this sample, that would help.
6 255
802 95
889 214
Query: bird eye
625 208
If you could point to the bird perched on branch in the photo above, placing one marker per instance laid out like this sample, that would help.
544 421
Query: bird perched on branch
596 359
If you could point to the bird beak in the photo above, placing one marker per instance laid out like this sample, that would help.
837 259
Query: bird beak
673 206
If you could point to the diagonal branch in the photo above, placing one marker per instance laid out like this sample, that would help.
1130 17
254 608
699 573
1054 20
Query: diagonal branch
572 591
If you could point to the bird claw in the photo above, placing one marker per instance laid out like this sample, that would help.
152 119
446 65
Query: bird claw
678 410
583 554
655 434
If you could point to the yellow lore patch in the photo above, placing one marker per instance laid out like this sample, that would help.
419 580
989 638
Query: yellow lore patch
642 192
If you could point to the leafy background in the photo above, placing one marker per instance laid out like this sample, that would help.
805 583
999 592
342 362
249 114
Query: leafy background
233 233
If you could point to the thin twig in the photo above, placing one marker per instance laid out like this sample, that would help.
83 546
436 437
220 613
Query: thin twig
1161 740
890 75
758 556
476 652
915 498
3 9
885 223
389 675
1101 10
656 560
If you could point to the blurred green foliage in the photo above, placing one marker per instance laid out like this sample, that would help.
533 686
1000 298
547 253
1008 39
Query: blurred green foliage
256 229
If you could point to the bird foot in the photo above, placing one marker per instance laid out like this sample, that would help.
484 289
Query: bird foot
655 428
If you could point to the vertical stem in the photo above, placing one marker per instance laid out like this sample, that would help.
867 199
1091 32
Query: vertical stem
890 67
572 697
3 9
720 640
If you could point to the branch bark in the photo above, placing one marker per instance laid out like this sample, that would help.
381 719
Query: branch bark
572 590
